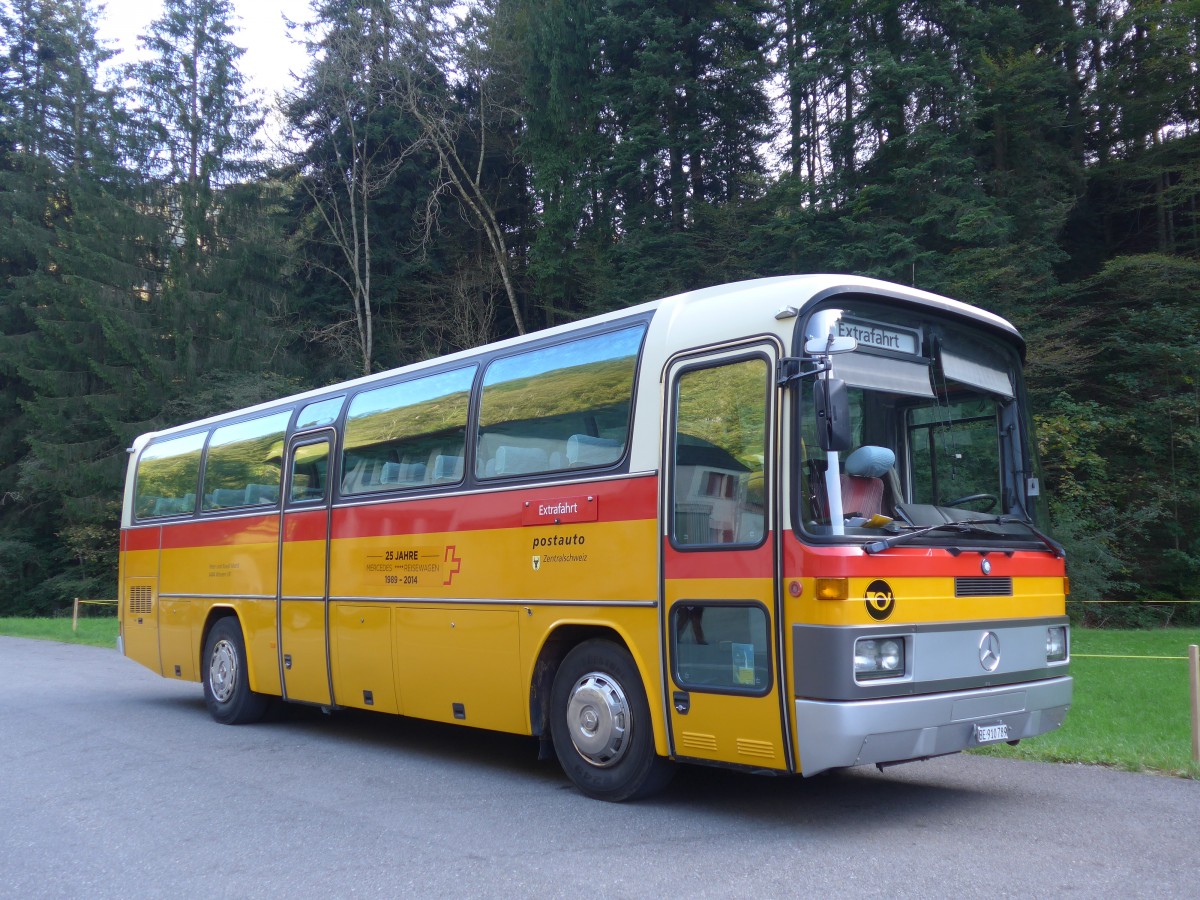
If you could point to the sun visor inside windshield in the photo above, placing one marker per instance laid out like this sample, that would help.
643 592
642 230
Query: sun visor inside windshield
883 373
982 373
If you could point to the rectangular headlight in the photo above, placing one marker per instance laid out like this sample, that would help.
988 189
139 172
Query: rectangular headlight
878 658
1056 643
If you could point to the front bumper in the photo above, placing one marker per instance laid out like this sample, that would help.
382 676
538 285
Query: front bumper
837 734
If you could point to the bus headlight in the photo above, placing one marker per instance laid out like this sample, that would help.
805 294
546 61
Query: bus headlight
878 658
1056 643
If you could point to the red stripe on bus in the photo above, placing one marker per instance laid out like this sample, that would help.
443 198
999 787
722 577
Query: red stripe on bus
717 562
140 539
262 529
911 562
617 501
309 525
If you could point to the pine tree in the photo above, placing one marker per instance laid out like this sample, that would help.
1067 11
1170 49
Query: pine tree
73 346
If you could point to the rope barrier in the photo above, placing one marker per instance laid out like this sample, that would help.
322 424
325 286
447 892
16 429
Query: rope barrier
1116 656
75 610
1134 602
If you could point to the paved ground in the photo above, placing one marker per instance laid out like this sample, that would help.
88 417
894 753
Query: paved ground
116 783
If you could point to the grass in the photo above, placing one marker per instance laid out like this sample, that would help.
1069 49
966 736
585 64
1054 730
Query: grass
1127 713
1131 714
96 631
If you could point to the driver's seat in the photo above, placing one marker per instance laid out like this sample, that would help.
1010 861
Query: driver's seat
862 480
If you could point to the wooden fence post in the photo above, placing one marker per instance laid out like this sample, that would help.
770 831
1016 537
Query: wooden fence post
75 618
1194 680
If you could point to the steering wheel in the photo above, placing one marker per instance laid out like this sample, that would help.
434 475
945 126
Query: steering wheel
991 499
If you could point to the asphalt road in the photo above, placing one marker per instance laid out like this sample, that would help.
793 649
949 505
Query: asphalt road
116 783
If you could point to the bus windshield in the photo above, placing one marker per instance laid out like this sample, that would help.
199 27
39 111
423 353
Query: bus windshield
939 431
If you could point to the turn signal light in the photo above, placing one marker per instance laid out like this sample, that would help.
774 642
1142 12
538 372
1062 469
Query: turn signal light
833 588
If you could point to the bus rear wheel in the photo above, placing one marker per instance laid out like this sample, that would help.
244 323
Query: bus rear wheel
226 681
600 722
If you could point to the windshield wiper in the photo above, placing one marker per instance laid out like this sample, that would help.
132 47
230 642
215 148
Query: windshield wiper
889 542
967 527
1051 544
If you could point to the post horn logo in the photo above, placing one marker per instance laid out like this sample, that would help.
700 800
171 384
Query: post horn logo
537 563
880 600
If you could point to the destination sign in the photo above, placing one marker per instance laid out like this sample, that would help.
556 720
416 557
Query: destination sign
880 336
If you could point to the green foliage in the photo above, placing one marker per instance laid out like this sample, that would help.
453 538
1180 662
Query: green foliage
1041 160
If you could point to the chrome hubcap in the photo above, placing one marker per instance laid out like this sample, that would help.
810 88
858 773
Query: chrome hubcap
222 671
598 719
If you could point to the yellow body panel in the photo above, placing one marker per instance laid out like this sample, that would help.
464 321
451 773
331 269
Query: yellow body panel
178 639
303 569
613 561
464 657
237 570
920 600
361 646
730 728
306 666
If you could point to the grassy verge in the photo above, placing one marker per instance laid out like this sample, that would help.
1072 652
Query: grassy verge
97 631
1129 713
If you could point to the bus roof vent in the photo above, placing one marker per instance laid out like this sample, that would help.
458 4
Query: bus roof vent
983 587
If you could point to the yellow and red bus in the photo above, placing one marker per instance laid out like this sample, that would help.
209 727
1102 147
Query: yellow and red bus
788 525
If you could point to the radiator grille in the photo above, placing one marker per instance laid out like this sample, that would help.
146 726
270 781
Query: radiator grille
141 600
983 587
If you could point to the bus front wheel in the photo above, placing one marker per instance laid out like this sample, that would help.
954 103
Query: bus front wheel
600 722
226 682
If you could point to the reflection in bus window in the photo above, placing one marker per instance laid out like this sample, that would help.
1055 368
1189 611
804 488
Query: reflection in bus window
720 435
558 408
168 474
310 473
243 463
407 434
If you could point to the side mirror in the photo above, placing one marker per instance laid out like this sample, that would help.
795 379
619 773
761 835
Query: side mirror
831 401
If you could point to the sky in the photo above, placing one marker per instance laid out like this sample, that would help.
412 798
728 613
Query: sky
270 55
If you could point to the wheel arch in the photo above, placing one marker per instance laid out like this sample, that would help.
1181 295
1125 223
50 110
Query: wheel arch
563 638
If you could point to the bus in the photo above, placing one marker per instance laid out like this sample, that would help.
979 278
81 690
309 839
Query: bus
785 525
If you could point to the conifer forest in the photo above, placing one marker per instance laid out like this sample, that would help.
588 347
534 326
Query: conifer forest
442 174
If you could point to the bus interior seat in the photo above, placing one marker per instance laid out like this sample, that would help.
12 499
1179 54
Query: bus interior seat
402 473
512 460
585 450
223 497
261 494
447 468
862 480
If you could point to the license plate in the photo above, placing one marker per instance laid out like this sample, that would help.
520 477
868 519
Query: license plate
987 734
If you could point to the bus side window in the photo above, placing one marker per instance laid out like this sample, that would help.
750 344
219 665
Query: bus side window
168 475
310 470
408 434
243 463
720 448
558 408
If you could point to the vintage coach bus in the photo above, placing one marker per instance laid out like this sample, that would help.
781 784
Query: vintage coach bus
786 525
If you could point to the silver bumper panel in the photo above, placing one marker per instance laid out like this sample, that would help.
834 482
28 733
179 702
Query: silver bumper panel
898 729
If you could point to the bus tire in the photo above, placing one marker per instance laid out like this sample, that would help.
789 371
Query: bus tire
600 722
226 680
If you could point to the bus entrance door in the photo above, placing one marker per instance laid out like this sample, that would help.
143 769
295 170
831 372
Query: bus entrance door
719 560
304 570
